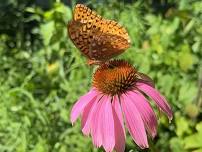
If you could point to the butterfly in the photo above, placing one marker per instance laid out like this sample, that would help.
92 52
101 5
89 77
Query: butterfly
97 38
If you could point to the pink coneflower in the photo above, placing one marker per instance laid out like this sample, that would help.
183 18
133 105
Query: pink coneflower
118 96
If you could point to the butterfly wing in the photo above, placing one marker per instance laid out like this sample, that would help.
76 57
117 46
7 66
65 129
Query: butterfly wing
106 46
84 14
97 38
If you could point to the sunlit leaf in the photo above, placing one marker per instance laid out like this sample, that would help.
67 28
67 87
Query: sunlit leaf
47 30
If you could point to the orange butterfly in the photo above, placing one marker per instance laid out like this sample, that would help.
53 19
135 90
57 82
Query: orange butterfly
98 39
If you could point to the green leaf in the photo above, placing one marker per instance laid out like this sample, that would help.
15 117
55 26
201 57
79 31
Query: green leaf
185 60
192 110
41 146
193 141
23 143
47 30
176 145
198 150
166 82
182 125
199 127
187 92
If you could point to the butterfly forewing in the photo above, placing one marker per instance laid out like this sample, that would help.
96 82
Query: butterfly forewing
97 38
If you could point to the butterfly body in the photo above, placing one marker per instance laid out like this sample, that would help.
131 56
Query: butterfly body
97 38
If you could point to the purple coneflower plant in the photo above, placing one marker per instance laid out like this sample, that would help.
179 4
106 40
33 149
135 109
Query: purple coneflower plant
119 95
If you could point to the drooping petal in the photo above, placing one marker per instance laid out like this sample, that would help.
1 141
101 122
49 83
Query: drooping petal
88 113
107 129
81 103
134 122
118 126
146 79
96 124
145 111
157 97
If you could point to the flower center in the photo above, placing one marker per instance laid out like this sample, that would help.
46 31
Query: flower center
114 77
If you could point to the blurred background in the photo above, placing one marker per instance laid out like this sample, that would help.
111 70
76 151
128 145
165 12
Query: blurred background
42 74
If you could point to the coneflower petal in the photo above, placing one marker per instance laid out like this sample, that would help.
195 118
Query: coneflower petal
107 125
87 115
134 122
97 124
157 97
81 103
118 125
145 111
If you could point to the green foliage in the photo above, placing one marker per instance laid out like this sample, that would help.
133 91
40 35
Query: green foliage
42 74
